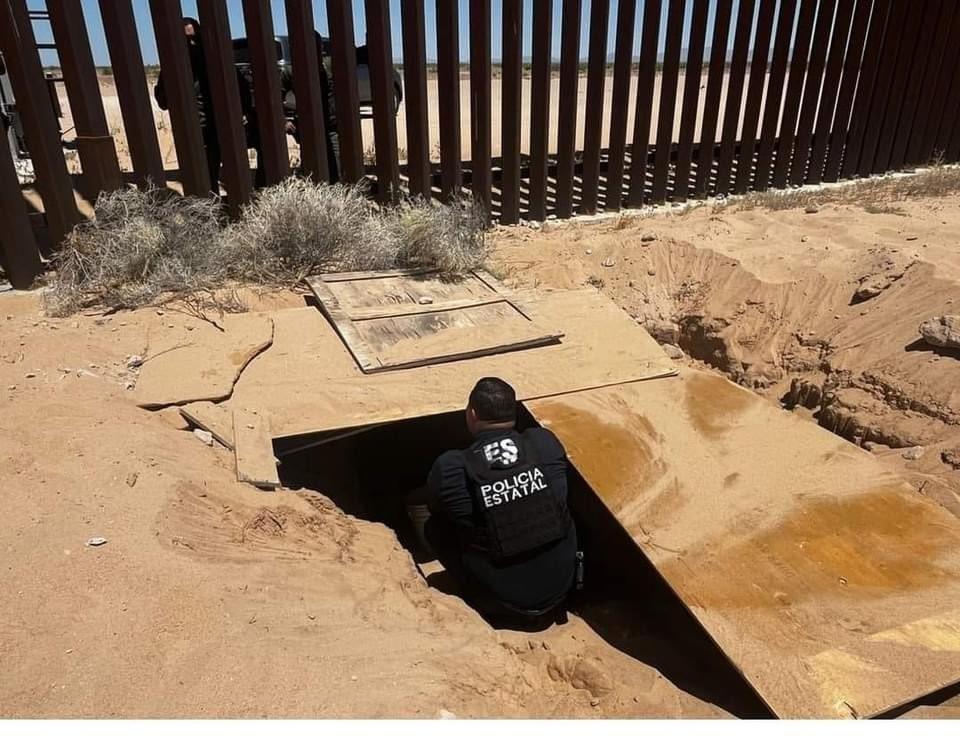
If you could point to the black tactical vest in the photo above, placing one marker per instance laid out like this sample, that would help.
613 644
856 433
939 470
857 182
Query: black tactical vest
518 509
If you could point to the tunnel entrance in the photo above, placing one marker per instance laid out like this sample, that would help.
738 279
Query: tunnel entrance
368 472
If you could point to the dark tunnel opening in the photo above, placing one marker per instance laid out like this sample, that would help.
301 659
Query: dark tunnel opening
368 472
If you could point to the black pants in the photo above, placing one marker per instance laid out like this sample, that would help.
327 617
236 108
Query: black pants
211 146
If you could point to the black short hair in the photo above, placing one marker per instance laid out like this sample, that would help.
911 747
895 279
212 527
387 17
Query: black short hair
190 21
494 400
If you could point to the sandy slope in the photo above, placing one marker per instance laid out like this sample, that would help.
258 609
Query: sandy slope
768 297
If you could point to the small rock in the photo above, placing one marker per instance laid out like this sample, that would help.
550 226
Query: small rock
672 351
11 387
912 454
535 225
588 251
30 375
867 292
594 702
425 300
446 715
129 386
912 238
132 478
353 678
803 239
96 542
648 237
663 331
951 457
651 271
811 209
608 262
943 331
134 361
204 435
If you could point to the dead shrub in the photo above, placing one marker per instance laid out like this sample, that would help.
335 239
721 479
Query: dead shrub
449 237
142 245
297 228
138 245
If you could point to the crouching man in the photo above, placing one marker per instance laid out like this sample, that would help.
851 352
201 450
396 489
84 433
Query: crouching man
498 518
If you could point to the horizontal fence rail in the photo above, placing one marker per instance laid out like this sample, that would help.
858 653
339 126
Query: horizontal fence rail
532 108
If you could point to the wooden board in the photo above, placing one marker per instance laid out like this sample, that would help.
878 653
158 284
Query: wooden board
310 383
191 360
828 581
932 713
403 319
213 418
256 463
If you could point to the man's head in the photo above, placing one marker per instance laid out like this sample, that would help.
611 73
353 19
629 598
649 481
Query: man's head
492 405
191 30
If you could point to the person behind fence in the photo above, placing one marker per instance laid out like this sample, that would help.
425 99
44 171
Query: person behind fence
203 98
496 513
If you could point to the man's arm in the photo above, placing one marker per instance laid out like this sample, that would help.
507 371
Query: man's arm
449 494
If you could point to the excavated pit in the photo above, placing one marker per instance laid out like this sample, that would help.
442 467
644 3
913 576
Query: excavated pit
624 599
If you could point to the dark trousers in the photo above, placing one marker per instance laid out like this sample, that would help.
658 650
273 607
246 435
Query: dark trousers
211 146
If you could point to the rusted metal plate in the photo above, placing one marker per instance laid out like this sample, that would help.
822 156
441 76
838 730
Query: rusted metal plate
829 582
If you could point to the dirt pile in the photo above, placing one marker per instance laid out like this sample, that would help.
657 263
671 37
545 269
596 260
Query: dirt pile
818 310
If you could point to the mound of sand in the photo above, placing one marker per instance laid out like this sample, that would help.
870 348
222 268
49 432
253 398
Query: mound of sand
818 309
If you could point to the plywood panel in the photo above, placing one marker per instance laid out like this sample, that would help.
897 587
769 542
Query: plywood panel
408 319
199 364
310 383
829 582
256 463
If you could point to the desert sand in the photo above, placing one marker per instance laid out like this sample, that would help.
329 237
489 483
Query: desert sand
214 599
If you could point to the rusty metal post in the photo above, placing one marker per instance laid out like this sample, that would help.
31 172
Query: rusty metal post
19 257
225 91
381 86
120 28
268 99
98 153
312 123
178 84
19 48
345 89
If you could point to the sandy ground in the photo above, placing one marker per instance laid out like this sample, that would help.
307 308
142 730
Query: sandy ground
214 599
769 297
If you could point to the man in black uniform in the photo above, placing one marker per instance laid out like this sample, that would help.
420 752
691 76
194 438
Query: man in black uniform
203 98
498 510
